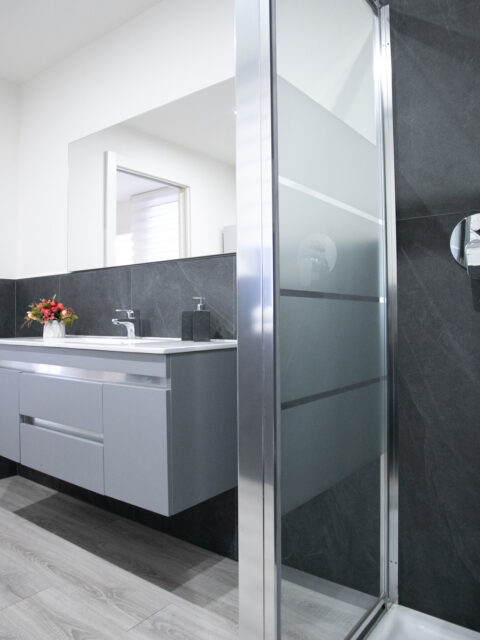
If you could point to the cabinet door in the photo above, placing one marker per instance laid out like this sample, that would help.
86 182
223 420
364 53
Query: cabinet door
9 415
135 446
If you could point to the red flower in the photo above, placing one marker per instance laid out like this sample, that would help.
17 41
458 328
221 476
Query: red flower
61 307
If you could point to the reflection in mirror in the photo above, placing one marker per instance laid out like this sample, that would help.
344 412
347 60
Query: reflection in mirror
147 220
156 187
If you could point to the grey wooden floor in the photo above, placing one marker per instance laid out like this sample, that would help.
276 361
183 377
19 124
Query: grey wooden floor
69 570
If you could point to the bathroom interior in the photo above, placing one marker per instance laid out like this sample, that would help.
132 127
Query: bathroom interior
239 282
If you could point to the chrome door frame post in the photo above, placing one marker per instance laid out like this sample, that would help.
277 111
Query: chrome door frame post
256 304
392 306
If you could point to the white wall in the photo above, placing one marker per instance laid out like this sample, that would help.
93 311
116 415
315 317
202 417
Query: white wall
171 50
211 187
8 178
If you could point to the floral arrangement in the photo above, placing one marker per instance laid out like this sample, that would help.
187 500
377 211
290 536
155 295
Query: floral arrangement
48 310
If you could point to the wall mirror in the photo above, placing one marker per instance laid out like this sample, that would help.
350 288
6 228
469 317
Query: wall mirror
158 186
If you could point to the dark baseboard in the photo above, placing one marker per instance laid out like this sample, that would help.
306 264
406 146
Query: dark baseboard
7 467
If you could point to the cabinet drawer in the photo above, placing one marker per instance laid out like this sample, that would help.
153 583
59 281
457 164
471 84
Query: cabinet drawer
63 456
76 403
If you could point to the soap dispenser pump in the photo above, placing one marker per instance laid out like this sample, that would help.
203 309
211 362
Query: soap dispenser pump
201 322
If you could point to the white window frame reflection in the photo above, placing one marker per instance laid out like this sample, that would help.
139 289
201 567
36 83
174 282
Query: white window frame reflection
115 164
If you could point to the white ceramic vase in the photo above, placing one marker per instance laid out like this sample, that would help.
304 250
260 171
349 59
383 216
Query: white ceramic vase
53 329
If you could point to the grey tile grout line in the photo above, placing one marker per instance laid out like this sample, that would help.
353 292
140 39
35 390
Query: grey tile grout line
20 600
137 624
436 215
131 286
15 310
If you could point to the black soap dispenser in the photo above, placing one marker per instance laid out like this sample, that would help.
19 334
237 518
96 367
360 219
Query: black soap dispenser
201 322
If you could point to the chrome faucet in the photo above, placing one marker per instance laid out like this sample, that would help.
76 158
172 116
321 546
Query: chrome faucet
129 323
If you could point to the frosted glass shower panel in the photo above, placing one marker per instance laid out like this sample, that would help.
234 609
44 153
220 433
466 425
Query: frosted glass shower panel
326 248
332 306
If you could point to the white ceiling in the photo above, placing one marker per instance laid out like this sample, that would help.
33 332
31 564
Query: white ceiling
203 121
34 34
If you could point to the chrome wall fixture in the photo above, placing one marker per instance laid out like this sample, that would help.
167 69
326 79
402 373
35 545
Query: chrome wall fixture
465 245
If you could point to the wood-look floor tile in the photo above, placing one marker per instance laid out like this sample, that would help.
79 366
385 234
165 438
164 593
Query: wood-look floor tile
69 570
184 623
54 615
67 566
17 493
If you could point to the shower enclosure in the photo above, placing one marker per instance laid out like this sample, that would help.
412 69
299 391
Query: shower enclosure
316 318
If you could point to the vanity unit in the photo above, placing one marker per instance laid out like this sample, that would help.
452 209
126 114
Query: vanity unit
151 422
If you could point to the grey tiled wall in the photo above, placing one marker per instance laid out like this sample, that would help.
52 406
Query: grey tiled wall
158 291
436 62
7 306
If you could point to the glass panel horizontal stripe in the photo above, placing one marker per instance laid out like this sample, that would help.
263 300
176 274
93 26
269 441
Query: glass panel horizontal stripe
298 293
290 404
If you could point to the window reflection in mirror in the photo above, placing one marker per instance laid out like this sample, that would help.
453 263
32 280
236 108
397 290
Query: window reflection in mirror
148 221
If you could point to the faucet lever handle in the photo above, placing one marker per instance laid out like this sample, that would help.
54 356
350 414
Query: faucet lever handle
130 313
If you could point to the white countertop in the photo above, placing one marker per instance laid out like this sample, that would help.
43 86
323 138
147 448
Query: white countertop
160 346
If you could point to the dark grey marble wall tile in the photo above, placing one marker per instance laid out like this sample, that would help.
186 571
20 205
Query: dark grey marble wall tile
162 290
95 295
29 290
439 409
7 308
436 57
336 535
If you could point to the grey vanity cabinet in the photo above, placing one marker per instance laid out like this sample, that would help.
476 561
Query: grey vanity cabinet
136 445
9 433
157 432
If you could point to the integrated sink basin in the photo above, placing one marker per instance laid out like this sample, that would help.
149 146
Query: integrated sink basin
112 340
